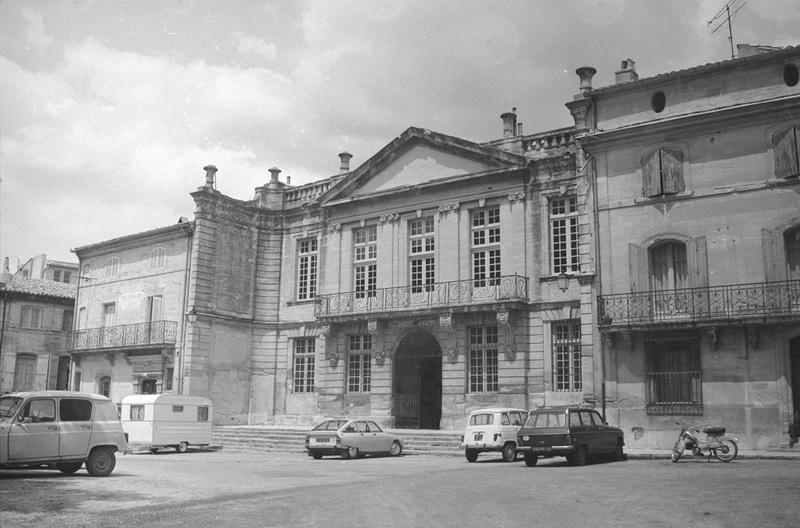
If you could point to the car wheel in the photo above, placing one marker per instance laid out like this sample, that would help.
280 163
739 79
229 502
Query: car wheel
471 454
578 458
68 468
531 459
677 450
317 456
619 452
182 447
101 462
509 452
154 450
352 452
397 448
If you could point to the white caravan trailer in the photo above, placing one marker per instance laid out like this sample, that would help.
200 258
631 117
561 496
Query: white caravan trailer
155 421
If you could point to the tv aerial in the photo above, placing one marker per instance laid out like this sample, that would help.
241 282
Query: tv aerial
724 16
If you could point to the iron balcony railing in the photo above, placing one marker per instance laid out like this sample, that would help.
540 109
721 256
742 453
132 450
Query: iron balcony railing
437 295
119 336
710 304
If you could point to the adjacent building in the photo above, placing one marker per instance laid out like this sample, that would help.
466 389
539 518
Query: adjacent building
698 237
35 322
130 306
39 267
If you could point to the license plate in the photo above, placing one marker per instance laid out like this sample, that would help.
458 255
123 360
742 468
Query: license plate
322 440
538 449
478 436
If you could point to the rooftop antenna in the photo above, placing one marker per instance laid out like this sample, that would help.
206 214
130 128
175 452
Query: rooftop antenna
724 16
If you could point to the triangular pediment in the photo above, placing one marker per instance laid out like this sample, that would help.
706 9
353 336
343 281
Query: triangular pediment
421 157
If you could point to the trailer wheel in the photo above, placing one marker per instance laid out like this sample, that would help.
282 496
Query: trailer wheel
182 447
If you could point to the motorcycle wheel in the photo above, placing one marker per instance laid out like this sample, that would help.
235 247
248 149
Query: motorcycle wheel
677 450
727 450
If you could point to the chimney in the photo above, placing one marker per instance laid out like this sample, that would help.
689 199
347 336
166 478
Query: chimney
344 165
585 73
211 172
5 276
627 72
274 171
509 123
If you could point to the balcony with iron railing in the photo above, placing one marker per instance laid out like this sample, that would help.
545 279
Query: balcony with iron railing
713 304
453 295
140 335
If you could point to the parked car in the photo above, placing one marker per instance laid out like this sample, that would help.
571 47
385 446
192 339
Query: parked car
350 439
573 432
60 429
492 430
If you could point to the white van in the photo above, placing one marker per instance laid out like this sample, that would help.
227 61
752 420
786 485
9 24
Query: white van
156 421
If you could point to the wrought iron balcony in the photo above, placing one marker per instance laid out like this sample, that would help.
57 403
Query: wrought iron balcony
509 288
158 333
731 302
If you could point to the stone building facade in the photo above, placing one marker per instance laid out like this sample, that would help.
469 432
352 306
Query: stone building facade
35 321
131 313
697 224
439 276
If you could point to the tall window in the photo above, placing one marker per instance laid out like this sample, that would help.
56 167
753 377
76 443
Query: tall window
31 317
57 275
359 374
787 152
304 350
482 365
673 377
486 246
566 341
86 273
104 386
365 261
112 266
24 372
169 373
158 258
421 247
662 172
564 234
66 321
307 268
791 241
668 266
67 277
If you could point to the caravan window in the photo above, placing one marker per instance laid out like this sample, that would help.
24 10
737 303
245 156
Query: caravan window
137 412
177 408
202 414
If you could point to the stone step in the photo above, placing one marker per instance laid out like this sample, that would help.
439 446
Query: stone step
292 440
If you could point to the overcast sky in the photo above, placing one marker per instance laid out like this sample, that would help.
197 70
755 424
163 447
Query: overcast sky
110 109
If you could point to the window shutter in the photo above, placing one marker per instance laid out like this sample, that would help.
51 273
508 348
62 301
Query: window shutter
697 259
774 255
786 163
638 269
672 171
651 174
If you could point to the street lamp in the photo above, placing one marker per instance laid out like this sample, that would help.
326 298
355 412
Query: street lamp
191 315
563 281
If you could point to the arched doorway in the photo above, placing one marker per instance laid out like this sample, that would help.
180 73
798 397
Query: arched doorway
417 382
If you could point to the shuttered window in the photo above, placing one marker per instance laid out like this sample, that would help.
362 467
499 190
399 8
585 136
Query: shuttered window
662 172
787 154
674 379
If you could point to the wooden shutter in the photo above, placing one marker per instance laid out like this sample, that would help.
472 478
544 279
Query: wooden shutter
638 268
774 255
671 171
697 260
651 174
786 163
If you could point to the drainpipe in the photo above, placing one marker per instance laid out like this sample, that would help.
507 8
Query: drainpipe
184 319
4 297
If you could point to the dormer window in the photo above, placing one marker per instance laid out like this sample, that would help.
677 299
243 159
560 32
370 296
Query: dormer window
662 172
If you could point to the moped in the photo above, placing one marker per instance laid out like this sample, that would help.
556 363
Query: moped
715 443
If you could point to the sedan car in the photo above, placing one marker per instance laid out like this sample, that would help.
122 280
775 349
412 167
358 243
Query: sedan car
350 439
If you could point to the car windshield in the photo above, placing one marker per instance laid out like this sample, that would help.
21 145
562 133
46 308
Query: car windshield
9 406
542 420
330 425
